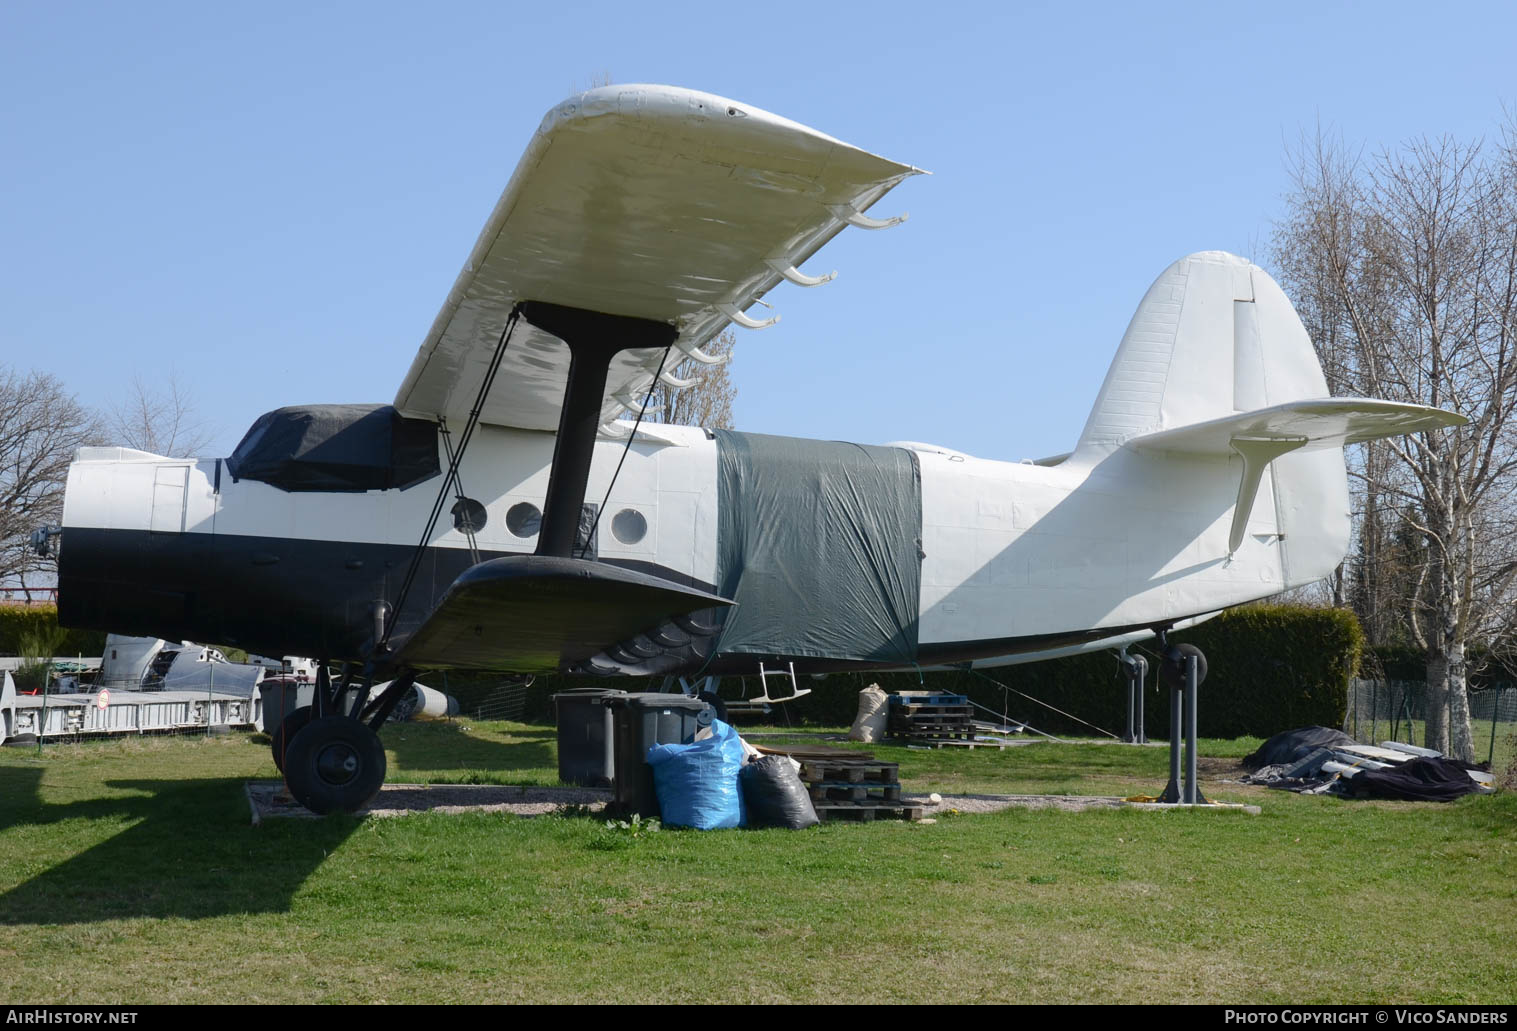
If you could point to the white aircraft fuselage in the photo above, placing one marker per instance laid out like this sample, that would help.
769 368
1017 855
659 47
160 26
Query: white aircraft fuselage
1018 560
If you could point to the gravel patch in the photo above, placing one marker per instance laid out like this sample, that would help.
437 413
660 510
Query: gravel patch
269 799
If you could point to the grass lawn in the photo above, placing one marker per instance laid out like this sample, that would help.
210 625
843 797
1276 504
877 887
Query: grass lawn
129 872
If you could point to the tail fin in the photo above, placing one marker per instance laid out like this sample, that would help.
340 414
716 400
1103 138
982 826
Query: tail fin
1214 336
1216 363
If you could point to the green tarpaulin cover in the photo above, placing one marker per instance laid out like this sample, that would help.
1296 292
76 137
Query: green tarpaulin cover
819 543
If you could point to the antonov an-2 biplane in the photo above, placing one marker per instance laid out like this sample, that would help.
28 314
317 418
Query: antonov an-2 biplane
642 221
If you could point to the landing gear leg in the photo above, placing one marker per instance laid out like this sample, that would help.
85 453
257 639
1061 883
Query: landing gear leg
1181 669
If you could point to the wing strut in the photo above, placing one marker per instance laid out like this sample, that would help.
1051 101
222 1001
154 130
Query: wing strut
594 339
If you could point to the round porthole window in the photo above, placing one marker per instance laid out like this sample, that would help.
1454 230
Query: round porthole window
629 526
468 516
523 519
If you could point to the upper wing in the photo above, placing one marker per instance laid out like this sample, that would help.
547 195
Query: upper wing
649 201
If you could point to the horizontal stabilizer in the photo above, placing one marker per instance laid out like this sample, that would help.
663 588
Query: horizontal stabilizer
1314 424
538 614
1261 436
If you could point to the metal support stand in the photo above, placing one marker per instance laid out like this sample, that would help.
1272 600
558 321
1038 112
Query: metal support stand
1193 794
1182 721
1136 668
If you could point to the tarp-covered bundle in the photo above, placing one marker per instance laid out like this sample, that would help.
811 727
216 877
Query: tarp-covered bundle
1291 745
1422 779
819 543
337 448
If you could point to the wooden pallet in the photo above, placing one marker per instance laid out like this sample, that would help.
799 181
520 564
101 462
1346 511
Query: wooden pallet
902 698
931 729
909 712
849 771
932 720
812 753
865 811
842 791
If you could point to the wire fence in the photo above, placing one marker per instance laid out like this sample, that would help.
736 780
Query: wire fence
1396 710
504 700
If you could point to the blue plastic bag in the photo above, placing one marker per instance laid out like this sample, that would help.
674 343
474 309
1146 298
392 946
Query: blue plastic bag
697 784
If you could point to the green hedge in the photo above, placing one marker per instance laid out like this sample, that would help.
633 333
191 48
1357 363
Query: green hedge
16 620
1270 668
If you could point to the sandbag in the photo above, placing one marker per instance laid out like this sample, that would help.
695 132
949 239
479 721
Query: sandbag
773 795
874 711
697 784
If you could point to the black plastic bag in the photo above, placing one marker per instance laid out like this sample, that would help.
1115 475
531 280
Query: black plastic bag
774 795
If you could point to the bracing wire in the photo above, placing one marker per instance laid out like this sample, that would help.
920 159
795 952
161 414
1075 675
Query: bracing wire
455 457
459 493
1039 701
585 547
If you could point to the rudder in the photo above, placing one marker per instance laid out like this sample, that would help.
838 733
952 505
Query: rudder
1214 335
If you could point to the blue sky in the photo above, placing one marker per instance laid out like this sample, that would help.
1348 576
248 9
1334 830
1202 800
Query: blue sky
272 199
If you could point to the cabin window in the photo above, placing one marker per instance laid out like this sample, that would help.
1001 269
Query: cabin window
469 516
523 519
629 526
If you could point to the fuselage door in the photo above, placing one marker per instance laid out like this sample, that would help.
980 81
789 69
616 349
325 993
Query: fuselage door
168 498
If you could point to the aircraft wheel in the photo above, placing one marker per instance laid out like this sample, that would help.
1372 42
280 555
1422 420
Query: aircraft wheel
710 698
335 764
286 731
1172 665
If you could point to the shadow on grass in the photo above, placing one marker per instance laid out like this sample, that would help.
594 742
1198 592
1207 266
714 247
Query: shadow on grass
427 747
190 852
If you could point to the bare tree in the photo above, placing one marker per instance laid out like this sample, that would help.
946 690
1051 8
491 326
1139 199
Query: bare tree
160 420
1405 270
707 401
40 426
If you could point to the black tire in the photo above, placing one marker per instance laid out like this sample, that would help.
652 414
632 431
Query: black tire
1172 665
335 764
283 734
710 698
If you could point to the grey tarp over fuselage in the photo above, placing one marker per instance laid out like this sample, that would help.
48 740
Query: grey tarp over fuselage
819 543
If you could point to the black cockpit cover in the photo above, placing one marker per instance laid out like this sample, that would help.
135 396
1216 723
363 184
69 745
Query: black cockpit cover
819 543
337 448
